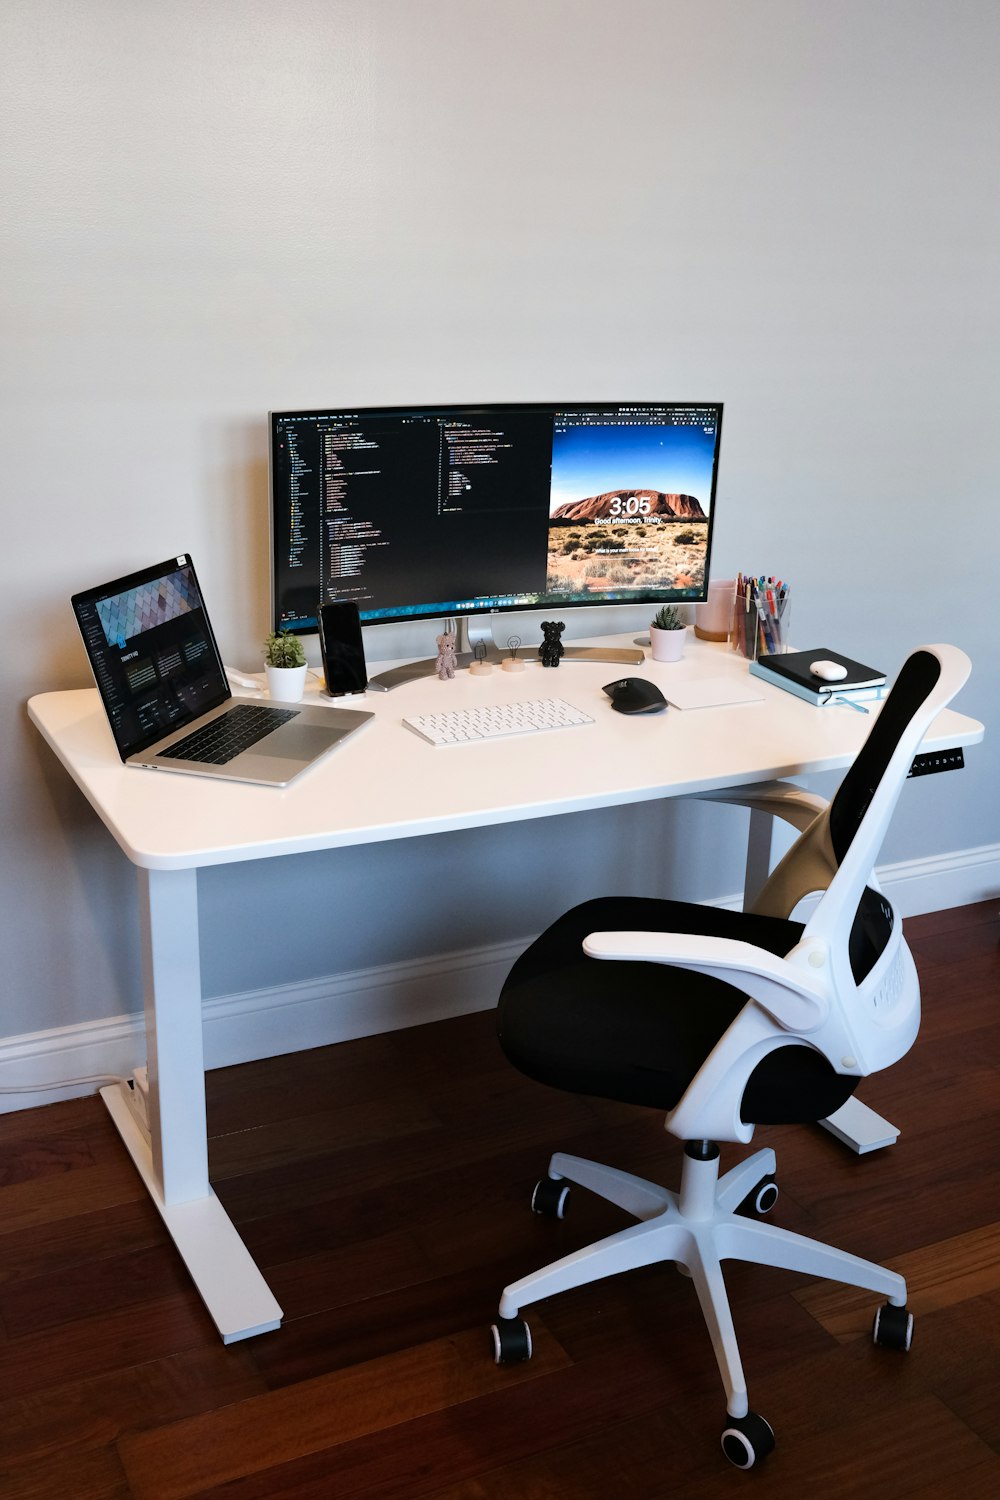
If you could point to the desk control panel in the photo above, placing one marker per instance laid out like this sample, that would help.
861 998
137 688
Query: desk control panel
937 760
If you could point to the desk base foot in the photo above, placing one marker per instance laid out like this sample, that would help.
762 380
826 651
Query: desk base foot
860 1127
238 1298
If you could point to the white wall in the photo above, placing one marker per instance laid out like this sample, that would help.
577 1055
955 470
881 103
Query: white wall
215 209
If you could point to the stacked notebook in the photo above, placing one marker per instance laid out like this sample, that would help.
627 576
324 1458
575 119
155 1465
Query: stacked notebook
791 670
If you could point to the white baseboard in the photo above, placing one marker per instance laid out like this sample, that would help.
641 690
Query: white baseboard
36 1068
69 1061
41 1067
916 886
337 1007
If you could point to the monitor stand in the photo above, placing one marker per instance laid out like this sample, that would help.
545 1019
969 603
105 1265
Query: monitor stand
475 636
474 640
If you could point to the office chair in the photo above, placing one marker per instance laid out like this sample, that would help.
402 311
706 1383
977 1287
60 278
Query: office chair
757 1019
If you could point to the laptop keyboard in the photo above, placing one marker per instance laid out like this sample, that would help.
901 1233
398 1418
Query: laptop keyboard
228 735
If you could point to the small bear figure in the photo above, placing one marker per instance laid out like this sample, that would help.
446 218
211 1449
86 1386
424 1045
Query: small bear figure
552 647
446 661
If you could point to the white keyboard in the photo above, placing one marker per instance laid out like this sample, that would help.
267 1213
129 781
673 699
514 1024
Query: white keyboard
494 721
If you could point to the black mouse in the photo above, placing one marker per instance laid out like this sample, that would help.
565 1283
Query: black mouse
635 695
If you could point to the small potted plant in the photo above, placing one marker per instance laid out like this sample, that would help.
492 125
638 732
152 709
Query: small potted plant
666 634
285 665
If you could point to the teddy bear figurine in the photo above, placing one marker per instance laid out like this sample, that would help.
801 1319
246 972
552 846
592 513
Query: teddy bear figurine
552 647
446 660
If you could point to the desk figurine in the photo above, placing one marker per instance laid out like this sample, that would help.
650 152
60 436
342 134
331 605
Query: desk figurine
479 666
446 662
552 647
512 662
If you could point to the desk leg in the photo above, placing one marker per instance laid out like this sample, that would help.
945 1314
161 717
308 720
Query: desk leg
854 1123
173 1163
758 866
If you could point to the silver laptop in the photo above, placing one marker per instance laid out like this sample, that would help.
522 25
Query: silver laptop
166 694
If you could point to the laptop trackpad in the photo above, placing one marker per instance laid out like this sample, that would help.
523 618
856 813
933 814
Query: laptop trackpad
298 741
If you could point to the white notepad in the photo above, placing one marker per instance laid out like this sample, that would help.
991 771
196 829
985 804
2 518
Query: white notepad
711 692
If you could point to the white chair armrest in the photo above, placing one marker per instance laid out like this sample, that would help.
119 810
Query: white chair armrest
796 998
781 799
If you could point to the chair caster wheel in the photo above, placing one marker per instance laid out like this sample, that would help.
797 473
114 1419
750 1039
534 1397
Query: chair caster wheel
746 1440
892 1327
761 1199
511 1341
550 1197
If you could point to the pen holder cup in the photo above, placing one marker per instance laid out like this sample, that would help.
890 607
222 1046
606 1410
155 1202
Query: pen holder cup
760 626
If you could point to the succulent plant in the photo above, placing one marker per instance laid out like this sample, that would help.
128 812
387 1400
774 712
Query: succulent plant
667 618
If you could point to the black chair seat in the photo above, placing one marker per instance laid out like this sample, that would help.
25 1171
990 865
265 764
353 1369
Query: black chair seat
638 1032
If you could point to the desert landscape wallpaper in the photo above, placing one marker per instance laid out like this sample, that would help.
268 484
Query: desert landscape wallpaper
642 540
630 509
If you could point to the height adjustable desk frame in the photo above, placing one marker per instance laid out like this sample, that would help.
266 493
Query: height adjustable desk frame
400 787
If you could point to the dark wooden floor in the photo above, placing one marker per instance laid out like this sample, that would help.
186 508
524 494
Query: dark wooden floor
382 1186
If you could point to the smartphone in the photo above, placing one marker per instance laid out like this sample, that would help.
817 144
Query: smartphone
343 649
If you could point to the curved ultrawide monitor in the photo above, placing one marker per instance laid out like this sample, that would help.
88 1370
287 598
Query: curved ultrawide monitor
441 511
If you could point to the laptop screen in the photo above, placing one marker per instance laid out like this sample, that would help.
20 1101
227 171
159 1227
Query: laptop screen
153 653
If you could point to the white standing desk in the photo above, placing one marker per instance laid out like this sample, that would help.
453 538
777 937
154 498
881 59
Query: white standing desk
383 784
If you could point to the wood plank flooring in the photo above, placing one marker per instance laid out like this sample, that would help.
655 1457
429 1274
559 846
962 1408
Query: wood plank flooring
383 1185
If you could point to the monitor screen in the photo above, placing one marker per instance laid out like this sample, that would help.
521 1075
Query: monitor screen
426 512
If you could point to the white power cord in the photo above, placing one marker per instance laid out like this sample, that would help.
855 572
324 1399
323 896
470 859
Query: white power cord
241 679
63 1083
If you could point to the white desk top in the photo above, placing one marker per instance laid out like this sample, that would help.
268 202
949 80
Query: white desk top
386 783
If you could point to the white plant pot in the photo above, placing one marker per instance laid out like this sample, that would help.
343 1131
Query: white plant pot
668 645
286 684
